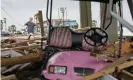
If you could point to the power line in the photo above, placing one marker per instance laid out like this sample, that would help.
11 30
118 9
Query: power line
10 16
6 5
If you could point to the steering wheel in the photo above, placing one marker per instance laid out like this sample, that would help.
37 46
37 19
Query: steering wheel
96 37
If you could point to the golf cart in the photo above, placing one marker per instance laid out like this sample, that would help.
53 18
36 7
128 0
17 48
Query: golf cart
69 54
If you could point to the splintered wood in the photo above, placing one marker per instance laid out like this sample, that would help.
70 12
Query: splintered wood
10 77
22 47
108 70
125 75
121 63
21 59
21 42
112 49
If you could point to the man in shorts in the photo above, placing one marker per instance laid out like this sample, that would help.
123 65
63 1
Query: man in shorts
30 27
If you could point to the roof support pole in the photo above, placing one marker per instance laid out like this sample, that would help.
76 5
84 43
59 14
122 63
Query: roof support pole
85 14
105 20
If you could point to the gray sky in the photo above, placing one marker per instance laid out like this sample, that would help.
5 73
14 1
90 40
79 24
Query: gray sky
18 11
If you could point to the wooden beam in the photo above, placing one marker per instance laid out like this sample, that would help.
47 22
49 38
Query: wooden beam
21 47
36 79
105 57
82 29
40 17
20 43
21 59
126 75
10 77
110 68
111 49
107 71
121 60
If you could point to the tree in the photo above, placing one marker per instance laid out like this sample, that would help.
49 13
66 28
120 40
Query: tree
13 28
9 28
94 22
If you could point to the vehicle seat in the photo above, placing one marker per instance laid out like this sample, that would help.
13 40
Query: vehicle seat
63 37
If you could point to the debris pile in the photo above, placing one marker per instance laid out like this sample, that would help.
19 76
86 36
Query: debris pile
18 56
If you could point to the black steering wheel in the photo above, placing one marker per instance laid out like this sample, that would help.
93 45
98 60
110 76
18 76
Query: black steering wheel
96 37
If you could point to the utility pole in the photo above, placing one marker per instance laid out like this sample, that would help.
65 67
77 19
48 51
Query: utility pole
85 14
35 19
1 25
62 9
5 23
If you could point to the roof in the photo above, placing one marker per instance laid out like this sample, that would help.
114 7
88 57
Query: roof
103 1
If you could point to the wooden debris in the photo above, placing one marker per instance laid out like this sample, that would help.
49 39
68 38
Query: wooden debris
112 49
36 79
10 77
22 47
126 75
105 57
82 29
112 66
24 65
121 60
21 59
12 68
22 42
107 71
3 69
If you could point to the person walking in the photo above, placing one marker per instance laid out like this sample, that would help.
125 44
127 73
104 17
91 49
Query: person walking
30 27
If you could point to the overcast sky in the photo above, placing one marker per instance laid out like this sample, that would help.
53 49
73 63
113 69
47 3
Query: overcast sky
18 11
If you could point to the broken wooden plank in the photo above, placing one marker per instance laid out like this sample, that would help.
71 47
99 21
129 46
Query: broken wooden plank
10 77
112 49
104 57
121 60
108 70
110 67
22 47
11 68
126 75
21 59
82 29
24 65
36 79
3 69
22 42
